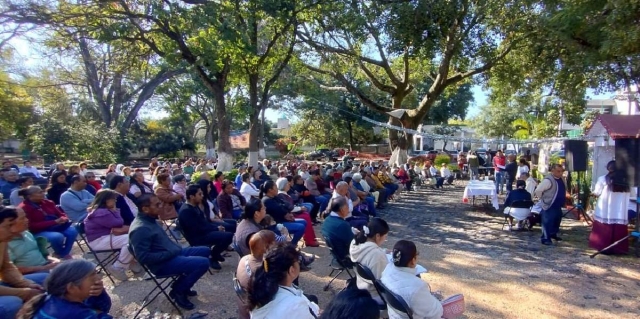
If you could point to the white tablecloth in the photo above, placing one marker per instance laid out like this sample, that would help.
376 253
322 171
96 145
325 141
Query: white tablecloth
481 188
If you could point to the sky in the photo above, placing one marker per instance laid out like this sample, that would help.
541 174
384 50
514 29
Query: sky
31 58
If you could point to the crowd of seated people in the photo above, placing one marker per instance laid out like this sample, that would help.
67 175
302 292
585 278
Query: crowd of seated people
279 201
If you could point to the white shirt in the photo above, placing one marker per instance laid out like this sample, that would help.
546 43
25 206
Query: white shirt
288 302
247 190
336 195
413 290
365 185
522 169
531 185
445 172
433 171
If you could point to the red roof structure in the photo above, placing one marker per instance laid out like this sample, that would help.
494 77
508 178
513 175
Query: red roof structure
619 126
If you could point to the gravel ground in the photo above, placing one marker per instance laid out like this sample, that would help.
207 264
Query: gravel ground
501 274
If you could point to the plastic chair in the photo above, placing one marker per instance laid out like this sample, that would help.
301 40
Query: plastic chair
393 300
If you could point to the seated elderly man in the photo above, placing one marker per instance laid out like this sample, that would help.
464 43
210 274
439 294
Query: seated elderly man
11 182
356 188
518 205
75 200
342 191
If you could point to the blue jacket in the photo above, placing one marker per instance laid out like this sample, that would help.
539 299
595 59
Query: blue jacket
238 181
7 188
55 307
75 204
151 244
339 232
516 195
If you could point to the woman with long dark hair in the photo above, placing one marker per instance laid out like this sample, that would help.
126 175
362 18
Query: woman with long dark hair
611 213
57 186
252 217
366 249
277 209
272 293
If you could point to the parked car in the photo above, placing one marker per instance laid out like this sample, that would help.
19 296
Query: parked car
321 153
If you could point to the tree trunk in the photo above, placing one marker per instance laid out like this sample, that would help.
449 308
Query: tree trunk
254 120
210 142
225 153
261 141
350 128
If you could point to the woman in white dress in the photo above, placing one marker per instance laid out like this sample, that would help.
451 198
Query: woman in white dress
611 214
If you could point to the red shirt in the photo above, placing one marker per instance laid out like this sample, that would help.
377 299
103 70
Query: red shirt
36 214
501 161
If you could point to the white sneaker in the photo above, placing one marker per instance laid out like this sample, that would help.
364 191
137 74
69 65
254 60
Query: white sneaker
118 273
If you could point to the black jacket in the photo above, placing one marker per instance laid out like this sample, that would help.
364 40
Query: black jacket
195 224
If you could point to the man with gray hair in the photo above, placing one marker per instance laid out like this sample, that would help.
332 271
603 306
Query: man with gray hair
342 191
10 182
552 194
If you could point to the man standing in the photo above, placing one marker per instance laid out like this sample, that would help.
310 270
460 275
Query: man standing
552 192
511 170
499 162
75 200
153 248
198 228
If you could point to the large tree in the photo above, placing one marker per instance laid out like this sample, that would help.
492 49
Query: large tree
117 77
393 44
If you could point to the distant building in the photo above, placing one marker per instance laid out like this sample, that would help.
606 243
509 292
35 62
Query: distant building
283 127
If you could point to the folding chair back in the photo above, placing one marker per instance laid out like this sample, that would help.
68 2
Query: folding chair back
162 283
101 263
338 263
393 300
365 273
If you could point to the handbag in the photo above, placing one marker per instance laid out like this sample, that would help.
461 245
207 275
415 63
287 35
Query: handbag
453 306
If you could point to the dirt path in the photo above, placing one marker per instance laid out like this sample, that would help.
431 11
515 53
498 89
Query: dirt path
501 274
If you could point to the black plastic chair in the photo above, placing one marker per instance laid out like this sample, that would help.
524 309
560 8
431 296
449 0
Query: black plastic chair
162 283
365 273
338 263
393 300
101 263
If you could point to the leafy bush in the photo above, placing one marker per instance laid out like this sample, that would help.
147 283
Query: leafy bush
196 175
231 176
442 159
228 175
